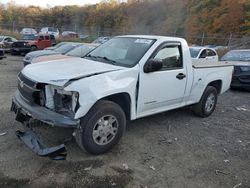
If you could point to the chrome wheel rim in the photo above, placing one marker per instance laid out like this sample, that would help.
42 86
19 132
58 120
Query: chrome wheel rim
105 130
210 102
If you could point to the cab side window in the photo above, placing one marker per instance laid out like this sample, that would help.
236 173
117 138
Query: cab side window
41 38
203 54
211 52
171 57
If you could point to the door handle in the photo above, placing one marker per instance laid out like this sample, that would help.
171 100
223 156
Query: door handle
180 76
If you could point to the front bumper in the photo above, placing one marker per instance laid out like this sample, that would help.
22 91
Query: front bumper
20 50
24 111
241 81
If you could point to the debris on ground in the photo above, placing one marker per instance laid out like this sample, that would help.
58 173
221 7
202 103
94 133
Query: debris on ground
166 140
237 185
152 167
220 172
226 161
3 133
225 150
239 141
125 165
112 183
143 186
241 109
88 168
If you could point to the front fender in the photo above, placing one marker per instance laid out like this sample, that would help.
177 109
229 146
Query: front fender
94 88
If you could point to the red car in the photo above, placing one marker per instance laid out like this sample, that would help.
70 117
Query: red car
32 43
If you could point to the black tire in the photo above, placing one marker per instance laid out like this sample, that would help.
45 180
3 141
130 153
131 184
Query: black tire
33 48
84 136
200 109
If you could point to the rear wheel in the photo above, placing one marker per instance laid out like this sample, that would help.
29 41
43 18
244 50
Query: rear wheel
208 102
102 127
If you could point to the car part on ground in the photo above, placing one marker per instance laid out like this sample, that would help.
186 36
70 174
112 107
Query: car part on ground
124 78
241 61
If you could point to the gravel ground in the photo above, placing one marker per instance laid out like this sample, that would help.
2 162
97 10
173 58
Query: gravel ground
172 149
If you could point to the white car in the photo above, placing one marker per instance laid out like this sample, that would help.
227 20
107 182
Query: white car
204 55
28 31
50 30
126 78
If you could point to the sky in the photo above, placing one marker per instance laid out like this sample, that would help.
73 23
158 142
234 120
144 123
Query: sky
44 3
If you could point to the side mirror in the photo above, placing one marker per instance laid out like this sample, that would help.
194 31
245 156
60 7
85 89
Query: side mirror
153 65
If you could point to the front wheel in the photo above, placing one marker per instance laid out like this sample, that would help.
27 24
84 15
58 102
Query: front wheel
208 102
101 128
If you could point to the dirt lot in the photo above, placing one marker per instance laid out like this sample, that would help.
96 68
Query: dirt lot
172 149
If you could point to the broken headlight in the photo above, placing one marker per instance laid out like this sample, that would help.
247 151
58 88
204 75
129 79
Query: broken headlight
61 101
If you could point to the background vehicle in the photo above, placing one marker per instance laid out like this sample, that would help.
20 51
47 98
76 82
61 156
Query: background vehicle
79 51
55 46
101 40
6 42
32 43
69 34
28 31
63 49
203 54
50 31
126 78
241 61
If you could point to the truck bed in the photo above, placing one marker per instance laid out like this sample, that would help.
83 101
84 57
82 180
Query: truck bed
210 65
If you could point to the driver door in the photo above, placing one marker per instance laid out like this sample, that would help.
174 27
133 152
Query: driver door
163 89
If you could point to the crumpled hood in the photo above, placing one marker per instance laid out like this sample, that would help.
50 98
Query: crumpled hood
239 63
59 72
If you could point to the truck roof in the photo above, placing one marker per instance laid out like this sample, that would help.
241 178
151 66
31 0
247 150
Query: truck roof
155 37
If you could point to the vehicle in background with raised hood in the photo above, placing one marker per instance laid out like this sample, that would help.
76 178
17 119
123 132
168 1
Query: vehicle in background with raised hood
63 49
78 52
6 42
241 61
126 78
203 54
32 43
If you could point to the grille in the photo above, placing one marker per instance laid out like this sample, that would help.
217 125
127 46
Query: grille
18 44
28 89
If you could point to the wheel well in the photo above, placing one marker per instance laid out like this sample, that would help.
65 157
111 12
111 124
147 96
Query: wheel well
217 84
123 100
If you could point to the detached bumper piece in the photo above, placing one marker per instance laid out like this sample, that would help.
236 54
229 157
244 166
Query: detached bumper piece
32 141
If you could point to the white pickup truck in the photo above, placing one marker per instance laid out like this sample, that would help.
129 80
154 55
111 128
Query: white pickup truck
126 78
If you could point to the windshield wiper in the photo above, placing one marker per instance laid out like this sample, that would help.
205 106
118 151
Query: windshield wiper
100 57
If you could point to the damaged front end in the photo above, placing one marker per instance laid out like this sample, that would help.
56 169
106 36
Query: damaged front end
48 104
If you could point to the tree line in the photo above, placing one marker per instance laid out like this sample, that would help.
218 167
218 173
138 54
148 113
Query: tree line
164 17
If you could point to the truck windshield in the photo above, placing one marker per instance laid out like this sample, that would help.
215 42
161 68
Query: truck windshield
237 55
121 51
30 37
